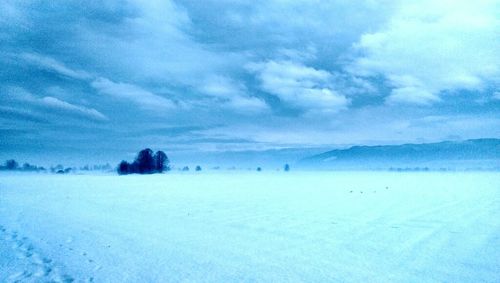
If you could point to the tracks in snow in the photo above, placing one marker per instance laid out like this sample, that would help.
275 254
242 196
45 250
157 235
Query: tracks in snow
29 264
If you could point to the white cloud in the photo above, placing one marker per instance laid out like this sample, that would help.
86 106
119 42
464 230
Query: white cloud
220 86
51 64
412 95
299 86
245 104
429 47
232 94
145 99
156 43
274 23
54 103
49 105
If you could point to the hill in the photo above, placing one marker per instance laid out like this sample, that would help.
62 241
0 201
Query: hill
457 154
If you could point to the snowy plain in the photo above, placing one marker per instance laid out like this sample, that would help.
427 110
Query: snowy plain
251 227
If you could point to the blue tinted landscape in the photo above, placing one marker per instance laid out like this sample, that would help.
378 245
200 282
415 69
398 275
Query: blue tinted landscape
249 141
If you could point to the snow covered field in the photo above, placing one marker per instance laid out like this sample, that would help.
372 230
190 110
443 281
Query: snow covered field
251 227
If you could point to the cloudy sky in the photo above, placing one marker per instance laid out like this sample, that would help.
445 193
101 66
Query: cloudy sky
107 78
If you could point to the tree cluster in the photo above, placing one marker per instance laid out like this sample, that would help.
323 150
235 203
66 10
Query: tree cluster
12 165
145 163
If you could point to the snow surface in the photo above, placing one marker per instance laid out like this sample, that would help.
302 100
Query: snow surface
251 227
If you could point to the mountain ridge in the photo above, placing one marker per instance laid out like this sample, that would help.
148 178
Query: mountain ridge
410 153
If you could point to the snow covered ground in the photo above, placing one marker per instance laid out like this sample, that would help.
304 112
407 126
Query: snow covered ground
251 227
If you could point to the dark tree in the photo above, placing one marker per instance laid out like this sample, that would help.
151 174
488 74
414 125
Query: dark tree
134 167
259 169
185 168
123 168
287 168
198 168
145 161
11 164
161 162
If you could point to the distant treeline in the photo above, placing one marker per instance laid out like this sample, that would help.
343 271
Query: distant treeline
399 169
104 167
12 165
145 163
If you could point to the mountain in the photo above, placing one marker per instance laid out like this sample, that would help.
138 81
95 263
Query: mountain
476 153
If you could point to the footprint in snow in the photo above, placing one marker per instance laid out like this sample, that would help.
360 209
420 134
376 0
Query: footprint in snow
67 279
13 236
36 268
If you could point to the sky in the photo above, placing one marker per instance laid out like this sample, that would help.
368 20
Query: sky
100 80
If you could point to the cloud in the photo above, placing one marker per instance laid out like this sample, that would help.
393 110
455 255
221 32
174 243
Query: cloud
251 70
429 47
496 95
141 97
154 38
265 27
50 64
412 95
91 113
233 95
299 86
16 114
129 92
170 131
247 104
34 108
